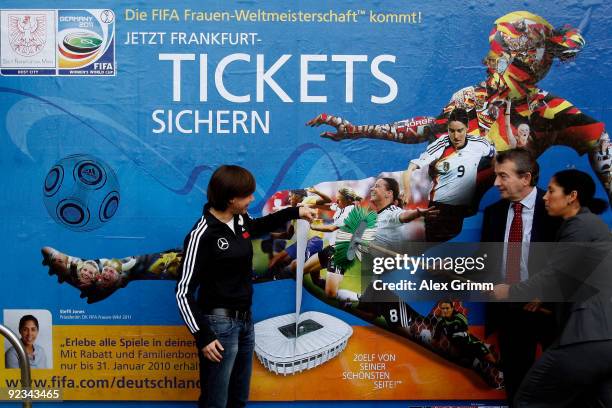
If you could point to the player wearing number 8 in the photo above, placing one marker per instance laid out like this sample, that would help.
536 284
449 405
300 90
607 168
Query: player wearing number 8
454 162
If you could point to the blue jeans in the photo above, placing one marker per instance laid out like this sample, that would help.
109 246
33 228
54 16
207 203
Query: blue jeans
226 384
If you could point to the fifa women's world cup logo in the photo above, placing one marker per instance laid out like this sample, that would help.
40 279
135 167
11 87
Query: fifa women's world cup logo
27 33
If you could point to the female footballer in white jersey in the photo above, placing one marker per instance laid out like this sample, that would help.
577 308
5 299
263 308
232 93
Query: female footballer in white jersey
453 161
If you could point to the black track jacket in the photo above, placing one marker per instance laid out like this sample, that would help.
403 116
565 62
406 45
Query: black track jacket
219 262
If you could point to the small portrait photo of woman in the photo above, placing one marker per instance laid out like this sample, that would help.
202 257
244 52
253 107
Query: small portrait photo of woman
33 327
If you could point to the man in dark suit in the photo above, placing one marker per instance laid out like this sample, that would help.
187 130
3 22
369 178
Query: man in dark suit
576 370
517 220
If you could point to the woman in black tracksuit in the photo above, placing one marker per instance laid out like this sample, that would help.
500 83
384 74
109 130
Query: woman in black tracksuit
217 265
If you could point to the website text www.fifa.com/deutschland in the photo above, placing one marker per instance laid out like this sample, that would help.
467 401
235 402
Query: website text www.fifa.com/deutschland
119 382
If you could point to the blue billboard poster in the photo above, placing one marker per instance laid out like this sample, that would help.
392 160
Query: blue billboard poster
384 117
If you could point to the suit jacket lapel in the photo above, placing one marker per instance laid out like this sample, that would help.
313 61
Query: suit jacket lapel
502 216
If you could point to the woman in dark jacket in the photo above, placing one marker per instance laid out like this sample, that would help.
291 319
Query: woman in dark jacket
576 371
217 266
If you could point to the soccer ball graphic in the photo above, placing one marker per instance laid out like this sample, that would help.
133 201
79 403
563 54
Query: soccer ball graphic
81 192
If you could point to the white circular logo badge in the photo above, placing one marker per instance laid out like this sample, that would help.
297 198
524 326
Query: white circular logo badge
222 244
107 16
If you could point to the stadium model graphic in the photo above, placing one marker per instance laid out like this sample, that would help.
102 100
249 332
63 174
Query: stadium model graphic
286 349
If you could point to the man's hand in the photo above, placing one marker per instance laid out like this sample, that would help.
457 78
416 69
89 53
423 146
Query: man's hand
501 291
213 351
308 214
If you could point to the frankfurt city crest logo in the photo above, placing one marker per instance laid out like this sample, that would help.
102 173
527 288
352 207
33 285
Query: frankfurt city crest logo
27 33
58 42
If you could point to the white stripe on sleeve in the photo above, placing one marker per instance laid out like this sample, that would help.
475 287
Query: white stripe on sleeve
188 268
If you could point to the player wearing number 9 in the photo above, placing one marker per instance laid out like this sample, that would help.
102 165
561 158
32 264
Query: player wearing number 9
454 161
